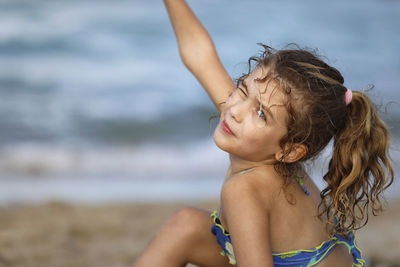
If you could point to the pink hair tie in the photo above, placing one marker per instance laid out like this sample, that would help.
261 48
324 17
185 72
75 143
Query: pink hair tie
348 96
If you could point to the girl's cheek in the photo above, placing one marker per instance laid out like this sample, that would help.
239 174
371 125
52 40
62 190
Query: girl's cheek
257 135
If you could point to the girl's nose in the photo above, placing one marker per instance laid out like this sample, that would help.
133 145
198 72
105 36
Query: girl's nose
237 110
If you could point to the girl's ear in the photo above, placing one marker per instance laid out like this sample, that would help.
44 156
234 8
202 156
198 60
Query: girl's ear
297 152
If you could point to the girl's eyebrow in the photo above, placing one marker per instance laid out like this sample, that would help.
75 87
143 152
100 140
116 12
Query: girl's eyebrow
267 109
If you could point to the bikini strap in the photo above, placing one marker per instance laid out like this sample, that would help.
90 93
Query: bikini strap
300 181
244 171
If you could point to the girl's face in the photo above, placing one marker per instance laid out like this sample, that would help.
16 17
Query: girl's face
253 120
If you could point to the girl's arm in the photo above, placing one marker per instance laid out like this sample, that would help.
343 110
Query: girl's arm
247 215
198 52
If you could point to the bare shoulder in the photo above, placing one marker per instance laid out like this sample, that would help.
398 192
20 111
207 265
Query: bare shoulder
245 212
258 185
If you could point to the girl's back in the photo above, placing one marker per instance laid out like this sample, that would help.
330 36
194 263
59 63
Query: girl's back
295 227
293 222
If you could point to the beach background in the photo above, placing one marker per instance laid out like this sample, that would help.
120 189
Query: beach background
104 133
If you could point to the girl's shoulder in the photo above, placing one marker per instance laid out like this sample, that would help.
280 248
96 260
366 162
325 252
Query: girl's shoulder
260 184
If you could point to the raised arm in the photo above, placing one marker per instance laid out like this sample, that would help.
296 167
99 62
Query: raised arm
198 52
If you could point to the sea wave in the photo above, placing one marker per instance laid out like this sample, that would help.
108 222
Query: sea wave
154 161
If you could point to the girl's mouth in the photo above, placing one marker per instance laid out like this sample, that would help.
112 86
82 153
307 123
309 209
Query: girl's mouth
226 128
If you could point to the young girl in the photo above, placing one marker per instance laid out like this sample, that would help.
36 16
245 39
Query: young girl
279 115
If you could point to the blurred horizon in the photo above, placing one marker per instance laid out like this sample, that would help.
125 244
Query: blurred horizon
95 104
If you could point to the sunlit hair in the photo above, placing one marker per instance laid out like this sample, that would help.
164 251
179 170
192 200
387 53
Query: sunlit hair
360 168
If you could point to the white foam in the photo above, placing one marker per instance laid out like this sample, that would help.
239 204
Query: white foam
200 158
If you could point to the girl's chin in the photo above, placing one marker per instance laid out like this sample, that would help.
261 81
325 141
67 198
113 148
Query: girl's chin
219 140
222 141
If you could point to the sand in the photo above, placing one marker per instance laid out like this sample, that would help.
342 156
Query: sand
57 234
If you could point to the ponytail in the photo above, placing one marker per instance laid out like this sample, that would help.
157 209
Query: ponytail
320 108
360 168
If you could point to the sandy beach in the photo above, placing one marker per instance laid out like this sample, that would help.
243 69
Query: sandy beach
57 234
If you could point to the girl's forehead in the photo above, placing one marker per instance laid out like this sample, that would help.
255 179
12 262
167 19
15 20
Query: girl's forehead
267 89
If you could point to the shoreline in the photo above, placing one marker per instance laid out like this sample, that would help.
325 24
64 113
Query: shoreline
58 234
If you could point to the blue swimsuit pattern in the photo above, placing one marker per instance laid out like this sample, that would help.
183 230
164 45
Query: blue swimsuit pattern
301 257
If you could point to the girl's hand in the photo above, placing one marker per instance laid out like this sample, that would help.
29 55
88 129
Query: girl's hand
198 52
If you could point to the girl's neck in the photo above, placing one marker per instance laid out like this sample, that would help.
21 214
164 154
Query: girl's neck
239 165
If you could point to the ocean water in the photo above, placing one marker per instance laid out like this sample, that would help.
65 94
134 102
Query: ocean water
95 104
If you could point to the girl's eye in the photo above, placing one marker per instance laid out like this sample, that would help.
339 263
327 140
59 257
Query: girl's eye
243 91
261 114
